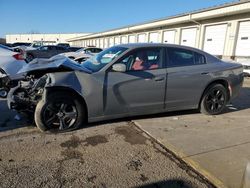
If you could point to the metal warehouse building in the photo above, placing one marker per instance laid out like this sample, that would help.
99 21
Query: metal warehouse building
222 30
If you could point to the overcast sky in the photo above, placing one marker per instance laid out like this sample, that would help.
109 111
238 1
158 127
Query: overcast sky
73 16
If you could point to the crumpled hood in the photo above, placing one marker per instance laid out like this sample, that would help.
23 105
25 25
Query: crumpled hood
52 63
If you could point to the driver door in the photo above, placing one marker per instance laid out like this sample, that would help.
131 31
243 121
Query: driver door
134 91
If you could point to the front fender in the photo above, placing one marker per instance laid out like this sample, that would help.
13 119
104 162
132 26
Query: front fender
63 80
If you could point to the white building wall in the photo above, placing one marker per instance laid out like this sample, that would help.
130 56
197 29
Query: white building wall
53 38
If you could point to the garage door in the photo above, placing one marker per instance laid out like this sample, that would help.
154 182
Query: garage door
101 43
169 37
111 42
154 37
131 39
124 40
188 37
214 41
97 43
106 43
142 38
117 40
243 42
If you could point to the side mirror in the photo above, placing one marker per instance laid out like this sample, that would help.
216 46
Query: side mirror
119 67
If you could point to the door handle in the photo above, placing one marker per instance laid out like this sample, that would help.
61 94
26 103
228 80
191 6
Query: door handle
158 79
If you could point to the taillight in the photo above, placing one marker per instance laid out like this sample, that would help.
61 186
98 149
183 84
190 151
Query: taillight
18 56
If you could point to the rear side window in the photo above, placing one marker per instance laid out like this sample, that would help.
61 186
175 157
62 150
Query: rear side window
181 57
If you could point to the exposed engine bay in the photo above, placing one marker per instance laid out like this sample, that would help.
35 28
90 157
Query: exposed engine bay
25 96
27 91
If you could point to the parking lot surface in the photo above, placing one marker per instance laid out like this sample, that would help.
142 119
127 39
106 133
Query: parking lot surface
217 145
126 153
111 154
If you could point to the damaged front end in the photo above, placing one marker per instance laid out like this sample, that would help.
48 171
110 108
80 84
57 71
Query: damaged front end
24 97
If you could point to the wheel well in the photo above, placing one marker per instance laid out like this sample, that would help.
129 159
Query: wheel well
70 92
222 82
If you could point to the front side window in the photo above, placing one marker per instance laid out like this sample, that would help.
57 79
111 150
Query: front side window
143 59
102 59
181 57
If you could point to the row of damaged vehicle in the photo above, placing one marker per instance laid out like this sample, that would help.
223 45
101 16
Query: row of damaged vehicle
125 80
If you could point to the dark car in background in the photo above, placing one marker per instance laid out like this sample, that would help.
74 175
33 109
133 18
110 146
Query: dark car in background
20 44
64 45
45 52
74 49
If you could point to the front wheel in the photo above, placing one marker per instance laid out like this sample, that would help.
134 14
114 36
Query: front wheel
60 113
214 100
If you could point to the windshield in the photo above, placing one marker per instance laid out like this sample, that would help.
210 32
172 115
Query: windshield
99 61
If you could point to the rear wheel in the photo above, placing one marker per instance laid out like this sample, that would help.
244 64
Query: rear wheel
214 100
60 113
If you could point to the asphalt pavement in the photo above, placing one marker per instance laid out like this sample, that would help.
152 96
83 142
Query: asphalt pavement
108 154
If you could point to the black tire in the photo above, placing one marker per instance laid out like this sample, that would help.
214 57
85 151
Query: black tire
29 58
50 115
214 100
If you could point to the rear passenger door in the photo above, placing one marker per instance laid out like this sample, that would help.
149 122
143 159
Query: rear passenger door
188 74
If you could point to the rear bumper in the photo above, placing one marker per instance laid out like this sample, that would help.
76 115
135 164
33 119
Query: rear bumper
236 85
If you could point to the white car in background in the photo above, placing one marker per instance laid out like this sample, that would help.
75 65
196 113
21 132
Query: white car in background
82 54
32 46
10 63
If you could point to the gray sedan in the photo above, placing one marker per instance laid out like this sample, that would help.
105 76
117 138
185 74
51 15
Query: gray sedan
129 80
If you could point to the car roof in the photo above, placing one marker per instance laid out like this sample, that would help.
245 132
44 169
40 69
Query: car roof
143 45
139 45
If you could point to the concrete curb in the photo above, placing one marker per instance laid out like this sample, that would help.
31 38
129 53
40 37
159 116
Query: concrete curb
188 161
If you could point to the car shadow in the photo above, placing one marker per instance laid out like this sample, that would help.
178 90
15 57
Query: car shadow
242 102
10 120
173 183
